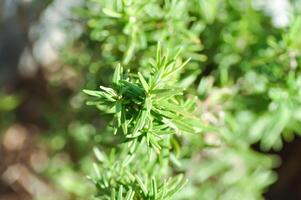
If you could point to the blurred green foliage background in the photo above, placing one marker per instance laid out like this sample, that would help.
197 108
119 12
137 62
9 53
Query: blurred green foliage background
242 84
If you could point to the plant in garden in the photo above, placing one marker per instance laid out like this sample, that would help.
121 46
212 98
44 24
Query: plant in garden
184 117
128 31
269 79
151 114
151 120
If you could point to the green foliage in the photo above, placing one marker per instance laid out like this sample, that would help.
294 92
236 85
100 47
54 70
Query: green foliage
128 32
158 129
192 116
274 84
149 113
123 176
152 108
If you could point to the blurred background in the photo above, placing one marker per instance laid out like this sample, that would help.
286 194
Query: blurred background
33 88
44 150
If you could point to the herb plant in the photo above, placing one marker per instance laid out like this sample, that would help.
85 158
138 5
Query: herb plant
151 116
184 90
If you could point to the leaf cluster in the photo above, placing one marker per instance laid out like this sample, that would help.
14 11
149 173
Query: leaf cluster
149 108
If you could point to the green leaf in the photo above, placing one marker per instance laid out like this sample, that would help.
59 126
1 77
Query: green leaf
120 192
158 54
129 53
157 78
176 185
143 82
164 94
124 123
141 119
96 170
113 194
118 113
99 155
154 188
130 194
110 91
154 143
148 104
141 184
128 158
163 191
182 125
93 93
177 69
117 74
111 13
133 146
174 160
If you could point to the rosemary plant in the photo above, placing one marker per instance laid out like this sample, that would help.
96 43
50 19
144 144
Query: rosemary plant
150 115
182 125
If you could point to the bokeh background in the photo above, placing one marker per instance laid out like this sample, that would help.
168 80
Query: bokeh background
45 148
34 85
